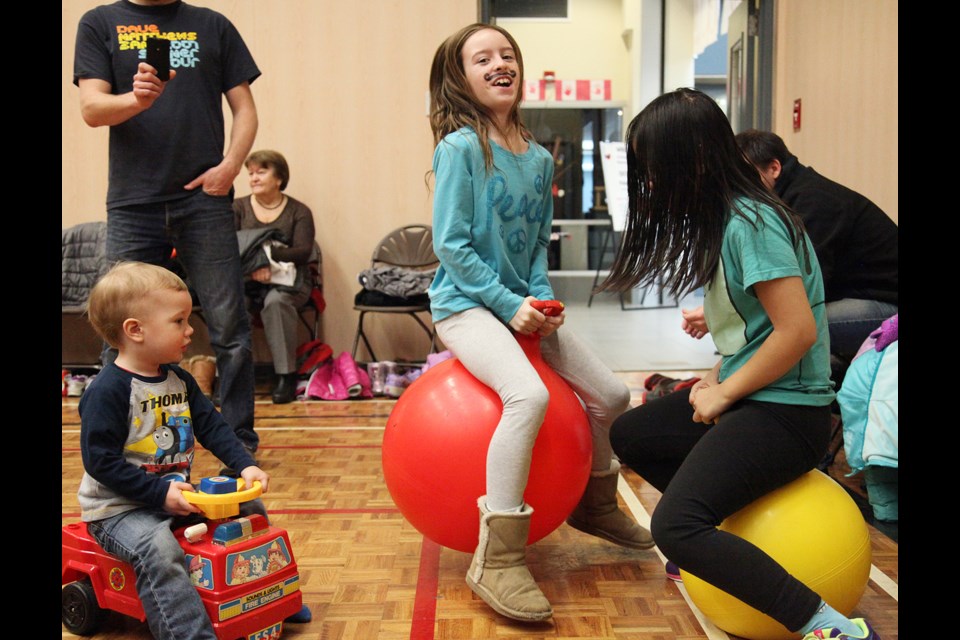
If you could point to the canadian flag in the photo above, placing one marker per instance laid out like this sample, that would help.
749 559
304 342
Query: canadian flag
534 90
573 90
600 90
583 90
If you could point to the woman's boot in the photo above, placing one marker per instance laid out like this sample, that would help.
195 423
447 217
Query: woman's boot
498 572
286 389
599 514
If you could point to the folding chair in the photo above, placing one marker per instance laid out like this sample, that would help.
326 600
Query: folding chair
310 312
408 247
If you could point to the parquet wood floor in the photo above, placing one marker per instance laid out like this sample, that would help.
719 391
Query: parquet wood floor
368 574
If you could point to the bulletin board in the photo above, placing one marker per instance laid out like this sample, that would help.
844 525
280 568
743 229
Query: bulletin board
613 158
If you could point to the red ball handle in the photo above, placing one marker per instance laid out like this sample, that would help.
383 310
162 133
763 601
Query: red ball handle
548 307
531 343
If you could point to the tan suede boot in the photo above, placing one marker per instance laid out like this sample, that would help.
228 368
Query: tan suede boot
204 370
498 572
599 514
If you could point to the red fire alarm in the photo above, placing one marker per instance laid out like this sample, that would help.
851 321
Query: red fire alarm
796 114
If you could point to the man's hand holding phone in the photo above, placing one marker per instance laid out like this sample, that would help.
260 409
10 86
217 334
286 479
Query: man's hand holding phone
152 76
158 57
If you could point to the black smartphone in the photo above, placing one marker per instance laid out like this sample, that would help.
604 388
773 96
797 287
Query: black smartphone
158 57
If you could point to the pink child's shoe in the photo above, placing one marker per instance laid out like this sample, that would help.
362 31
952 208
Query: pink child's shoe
349 373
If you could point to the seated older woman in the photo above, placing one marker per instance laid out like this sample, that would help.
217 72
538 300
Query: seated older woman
268 207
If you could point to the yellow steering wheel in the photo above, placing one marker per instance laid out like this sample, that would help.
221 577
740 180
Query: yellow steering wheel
219 497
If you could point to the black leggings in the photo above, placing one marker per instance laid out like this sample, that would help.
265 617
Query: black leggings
707 473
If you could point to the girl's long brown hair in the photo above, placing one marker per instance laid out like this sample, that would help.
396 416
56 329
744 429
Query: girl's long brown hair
685 174
452 104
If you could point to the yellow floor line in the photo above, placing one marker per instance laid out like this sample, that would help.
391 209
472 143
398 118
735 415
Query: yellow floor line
643 519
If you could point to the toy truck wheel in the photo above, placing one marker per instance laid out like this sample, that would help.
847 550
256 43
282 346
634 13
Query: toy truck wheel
79 610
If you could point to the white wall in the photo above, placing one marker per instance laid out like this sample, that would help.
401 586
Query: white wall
678 64
615 39
587 46
342 97
841 58
648 55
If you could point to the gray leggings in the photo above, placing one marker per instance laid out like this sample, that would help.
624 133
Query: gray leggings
489 350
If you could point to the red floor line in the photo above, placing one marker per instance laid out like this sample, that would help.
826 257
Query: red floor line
297 512
425 601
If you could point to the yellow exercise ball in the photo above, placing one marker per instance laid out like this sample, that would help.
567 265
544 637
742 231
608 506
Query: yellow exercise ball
816 532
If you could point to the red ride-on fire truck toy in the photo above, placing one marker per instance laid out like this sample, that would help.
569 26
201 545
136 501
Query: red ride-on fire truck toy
243 568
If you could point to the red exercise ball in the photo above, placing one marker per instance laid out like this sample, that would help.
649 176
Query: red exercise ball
435 452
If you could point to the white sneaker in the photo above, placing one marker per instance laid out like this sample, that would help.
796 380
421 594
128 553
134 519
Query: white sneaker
377 372
395 385
76 385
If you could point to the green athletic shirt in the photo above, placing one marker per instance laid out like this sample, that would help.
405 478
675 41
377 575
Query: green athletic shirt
758 249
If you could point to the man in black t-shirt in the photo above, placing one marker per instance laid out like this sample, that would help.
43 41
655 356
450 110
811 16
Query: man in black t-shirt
170 181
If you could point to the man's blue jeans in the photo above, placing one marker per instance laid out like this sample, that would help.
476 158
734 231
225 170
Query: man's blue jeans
144 539
851 321
203 231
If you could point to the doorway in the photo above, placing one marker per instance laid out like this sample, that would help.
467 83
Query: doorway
750 66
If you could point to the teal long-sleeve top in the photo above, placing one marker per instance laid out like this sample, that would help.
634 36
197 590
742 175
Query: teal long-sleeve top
491 228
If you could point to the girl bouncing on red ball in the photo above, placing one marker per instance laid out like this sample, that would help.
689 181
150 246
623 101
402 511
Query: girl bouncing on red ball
492 213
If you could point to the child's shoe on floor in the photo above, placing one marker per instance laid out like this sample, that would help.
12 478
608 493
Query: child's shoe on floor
349 373
658 385
672 571
394 385
304 615
433 359
865 632
411 375
377 372
655 379
75 385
